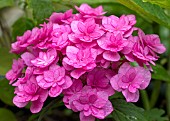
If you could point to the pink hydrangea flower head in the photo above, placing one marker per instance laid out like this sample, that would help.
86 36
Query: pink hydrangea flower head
60 17
30 92
84 56
86 31
55 79
99 79
129 79
45 58
88 11
91 102
81 60
68 93
16 71
122 25
112 44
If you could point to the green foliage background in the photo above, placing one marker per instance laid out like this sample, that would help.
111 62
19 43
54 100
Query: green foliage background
153 16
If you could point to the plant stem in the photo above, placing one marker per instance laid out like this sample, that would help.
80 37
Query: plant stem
48 107
145 99
155 93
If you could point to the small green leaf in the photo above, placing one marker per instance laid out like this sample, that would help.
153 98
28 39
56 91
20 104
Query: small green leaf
5 3
162 3
6 60
124 111
42 9
116 95
20 26
150 12
160 73
6 92
155 115
7 115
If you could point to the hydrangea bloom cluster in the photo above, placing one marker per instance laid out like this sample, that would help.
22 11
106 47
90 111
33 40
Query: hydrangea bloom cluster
86 57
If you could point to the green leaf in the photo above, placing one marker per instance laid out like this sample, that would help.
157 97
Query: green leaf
6 92
7 115
155 115
6 60
5 3
150 12
124 111
42 9
162 3
20 26
90 1
160 73
164 36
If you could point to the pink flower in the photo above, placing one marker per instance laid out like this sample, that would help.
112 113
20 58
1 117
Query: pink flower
122 25
45 58
16 71
91 102
45 36
27 57
81 60
99 79
55 79
145 48
129 80
30 92
59 36
29 37
88 12
86 31
112 44
60 17
22 80
68 93
152 41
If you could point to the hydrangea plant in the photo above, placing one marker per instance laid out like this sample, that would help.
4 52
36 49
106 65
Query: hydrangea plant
87 57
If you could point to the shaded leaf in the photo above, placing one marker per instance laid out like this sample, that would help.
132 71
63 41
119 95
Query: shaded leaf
162 3
116 95
6 60
159 72
6 92
2 77
42 9
7 115
155 115
20 26
124 111
150 12
55 103
5 3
